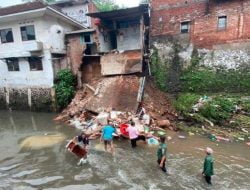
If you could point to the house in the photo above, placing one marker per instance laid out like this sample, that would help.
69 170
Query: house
77 9
115 53
205 23
32 50
217 30
122 39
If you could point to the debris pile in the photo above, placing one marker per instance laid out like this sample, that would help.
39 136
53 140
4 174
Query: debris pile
115 98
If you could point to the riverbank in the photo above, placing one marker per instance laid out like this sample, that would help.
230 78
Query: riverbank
226 116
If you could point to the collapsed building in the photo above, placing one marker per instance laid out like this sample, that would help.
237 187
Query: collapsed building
111 60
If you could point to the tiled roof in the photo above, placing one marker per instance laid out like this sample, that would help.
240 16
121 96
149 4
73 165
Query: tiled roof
22 8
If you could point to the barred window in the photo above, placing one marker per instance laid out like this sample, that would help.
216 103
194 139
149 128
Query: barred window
6 35
185 27
28 33
35 63
12 64
222 22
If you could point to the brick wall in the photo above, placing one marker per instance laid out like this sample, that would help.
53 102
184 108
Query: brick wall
75 50
92 9
167 15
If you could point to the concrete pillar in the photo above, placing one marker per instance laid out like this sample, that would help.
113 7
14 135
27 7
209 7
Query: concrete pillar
29 98
7 95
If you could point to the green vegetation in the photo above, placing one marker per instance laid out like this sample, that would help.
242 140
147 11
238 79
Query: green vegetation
106 5
169 74
65 83
222 110
159 70
217 110
207 80
185 102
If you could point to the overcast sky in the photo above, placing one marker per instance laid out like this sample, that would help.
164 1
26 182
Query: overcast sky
127 3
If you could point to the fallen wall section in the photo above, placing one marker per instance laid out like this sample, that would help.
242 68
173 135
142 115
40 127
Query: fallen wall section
127 62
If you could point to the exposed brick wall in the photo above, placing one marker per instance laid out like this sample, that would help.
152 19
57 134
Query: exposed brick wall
203 16
92 8
75 50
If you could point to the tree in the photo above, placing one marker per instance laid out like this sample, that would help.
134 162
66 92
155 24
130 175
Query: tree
106 5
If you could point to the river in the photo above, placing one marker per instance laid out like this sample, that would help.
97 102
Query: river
26 165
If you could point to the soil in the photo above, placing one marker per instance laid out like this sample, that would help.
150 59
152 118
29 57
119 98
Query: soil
156 103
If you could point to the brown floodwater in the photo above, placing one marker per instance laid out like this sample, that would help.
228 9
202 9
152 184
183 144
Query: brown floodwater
33 156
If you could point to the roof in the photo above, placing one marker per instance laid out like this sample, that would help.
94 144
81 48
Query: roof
70 2
22 8
120 13
36 8
81 31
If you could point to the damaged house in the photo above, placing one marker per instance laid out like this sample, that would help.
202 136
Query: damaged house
113 58
77 9
32 50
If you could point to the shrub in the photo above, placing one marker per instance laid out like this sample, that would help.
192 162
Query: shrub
185 102
207 80
217 110
65 83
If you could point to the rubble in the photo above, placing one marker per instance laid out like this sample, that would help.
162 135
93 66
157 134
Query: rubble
115 98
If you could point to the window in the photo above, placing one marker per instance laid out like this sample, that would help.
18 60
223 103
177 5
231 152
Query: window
35 63
12 64
6 35
87 38
28 33
222 22
185 27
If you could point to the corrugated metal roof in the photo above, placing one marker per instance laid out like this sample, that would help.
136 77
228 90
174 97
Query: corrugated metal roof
70 2
116 14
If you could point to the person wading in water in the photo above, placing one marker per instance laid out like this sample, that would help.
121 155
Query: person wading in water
162 154
208 166
107 136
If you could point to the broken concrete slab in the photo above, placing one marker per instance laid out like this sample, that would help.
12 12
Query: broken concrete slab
127 62
116 93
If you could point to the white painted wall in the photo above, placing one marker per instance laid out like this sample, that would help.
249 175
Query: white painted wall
128 38
78 12
105 46
25 77
46 33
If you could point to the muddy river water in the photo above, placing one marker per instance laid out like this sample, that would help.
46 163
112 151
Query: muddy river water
33 156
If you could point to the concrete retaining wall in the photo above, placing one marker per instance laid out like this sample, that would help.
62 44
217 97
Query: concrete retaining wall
225 56
34 99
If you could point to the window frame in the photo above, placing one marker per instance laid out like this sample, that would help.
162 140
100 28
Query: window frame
12 37
218 22
88 35
36 67
10 62
188 27
27 36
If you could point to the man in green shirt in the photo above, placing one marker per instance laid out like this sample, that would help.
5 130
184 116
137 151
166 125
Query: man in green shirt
208 167
162 154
